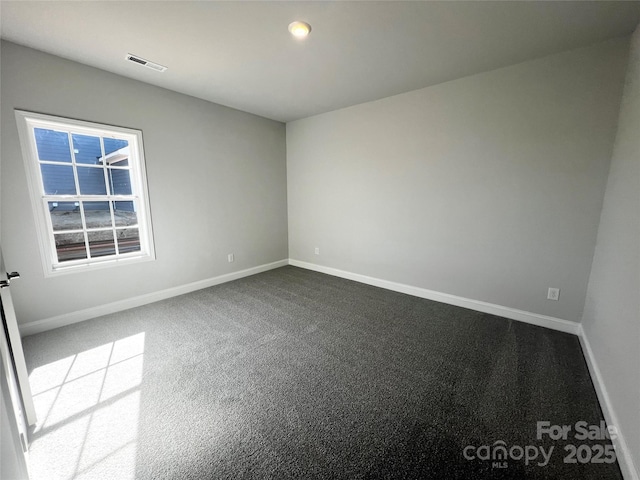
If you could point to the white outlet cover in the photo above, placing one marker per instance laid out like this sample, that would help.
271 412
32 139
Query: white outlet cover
553 294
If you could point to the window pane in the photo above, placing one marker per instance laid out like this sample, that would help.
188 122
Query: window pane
87 149
120 181
116 152
113 144
91 181
52 145
125 214
58 179
101 243
97 214
122 161
70 246
128 240
65 216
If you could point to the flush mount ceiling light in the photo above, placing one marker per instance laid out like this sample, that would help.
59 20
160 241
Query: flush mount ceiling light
299 29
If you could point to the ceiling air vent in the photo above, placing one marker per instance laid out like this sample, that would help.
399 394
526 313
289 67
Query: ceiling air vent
146 63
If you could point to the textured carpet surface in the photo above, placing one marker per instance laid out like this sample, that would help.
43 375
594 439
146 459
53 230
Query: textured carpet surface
296 374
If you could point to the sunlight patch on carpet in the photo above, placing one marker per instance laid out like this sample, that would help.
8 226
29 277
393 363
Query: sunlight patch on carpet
88 406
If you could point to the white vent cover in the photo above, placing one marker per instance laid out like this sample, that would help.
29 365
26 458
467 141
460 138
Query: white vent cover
146 63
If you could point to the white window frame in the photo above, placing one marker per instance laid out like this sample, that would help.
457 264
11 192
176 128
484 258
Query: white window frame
27 122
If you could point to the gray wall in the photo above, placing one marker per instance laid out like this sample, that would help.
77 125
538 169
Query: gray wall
217 182
611 319
488 187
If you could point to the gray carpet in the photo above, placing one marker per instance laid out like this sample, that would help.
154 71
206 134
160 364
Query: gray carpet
296 374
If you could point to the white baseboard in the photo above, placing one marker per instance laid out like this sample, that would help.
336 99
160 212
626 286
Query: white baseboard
499 310
43 325
625 460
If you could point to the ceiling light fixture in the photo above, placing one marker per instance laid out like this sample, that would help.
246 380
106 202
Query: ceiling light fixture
299 29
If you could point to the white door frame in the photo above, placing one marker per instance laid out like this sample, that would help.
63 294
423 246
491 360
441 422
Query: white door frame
15 346
13 457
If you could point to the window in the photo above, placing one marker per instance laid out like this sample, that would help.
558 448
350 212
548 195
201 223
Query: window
89 192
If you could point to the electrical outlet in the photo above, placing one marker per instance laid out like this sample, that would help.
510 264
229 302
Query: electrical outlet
230 257
553 294
317 251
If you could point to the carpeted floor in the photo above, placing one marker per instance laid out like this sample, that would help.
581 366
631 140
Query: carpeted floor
296 374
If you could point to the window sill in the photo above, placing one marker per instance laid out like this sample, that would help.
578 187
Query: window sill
99 265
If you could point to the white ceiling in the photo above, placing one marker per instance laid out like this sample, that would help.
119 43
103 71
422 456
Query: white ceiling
240 54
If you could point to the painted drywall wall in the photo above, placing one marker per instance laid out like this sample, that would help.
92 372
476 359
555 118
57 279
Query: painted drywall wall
611 319
488 187
217 183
